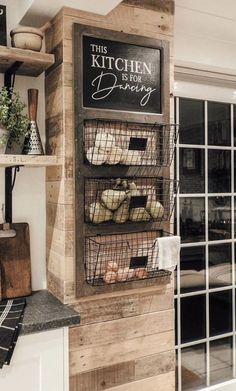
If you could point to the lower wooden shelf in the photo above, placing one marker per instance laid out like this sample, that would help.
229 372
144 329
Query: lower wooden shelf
29 160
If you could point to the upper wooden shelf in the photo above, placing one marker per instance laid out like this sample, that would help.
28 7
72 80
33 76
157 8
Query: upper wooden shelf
34 63
29 161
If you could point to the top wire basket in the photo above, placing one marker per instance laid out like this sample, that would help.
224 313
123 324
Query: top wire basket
129 144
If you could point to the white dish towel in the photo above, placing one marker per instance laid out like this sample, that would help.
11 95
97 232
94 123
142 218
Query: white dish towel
168 252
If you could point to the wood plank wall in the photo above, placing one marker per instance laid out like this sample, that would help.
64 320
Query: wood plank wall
125 341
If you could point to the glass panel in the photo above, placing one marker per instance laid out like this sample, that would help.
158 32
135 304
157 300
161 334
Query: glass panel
219 132
219 220
220 265
221 360
191 119
193 318
220 312
193 368
192 170
219 171
192 269
192 219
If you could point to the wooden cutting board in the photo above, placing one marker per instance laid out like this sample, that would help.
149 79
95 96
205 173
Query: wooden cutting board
15 265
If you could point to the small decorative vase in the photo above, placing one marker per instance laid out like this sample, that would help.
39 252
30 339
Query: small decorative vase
33 144
4 135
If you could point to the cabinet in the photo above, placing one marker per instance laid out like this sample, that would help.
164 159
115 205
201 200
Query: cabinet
39 363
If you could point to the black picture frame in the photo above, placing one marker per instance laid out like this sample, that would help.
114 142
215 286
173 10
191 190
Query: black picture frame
114 111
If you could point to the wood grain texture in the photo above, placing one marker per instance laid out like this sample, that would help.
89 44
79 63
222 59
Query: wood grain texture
34 63
118 352
167 6
124 304
121 329
115 375
163 382
15 264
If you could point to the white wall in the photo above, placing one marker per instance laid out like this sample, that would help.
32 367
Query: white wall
205 32
29 192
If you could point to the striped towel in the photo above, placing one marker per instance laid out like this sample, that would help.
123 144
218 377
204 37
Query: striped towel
11 316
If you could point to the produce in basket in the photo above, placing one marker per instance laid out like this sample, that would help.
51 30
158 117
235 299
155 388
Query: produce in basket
112 199
104 140
139 214
141 272
121 215
130 157
122 274
112 266
96 156
155 209
114 155
98 213
110 277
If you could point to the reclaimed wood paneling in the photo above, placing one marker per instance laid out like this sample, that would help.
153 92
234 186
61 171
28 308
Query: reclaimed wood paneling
118 352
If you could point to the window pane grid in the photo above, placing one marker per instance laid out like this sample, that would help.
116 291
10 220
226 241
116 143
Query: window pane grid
219 162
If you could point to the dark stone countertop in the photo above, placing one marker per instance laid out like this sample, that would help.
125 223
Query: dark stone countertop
45 312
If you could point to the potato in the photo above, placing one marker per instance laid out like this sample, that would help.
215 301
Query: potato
141 272
121 215
110 277
112 266
139 214
112 199
99 214
122 274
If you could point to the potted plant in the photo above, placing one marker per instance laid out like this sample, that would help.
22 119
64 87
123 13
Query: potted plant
13 122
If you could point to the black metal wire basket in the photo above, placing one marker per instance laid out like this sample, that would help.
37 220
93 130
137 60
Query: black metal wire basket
129 144
117 201
113 259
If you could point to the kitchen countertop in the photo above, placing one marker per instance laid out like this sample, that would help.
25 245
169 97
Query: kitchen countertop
45 312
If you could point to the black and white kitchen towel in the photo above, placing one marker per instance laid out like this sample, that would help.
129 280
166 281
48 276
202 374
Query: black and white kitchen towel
11 316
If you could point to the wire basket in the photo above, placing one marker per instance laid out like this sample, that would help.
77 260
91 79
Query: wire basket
129 200
129 144
113 259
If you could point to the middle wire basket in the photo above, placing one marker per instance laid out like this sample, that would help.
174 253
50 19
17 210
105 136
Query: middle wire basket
117 201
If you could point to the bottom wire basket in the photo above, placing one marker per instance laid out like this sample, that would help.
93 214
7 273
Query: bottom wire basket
112 259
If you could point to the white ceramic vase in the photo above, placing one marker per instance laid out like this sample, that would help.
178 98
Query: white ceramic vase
4 135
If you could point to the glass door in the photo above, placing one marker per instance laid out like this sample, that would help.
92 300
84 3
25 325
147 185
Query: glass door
205 278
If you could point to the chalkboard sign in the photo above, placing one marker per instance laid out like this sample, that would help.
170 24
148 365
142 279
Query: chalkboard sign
138 202
138 144
3 27
136 262
121 76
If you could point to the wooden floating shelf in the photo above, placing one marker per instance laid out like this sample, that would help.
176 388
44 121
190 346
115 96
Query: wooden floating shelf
29 161
34 63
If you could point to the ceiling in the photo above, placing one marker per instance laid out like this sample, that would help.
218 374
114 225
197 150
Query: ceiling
221 8
40 11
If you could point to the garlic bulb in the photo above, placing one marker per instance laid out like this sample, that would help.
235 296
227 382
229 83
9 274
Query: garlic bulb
114 155
112 199
98 213
104 140
139 214
96 156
